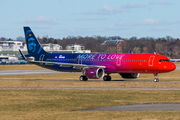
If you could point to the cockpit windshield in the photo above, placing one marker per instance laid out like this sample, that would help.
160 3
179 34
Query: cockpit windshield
164 60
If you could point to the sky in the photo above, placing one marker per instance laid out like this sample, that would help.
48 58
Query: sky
63 18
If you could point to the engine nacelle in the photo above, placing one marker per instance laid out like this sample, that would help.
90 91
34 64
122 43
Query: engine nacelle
94 73
129 75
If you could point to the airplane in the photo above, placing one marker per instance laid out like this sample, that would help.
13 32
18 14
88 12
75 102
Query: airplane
96 65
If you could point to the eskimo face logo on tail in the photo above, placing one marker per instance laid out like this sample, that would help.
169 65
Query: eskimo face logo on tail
32 44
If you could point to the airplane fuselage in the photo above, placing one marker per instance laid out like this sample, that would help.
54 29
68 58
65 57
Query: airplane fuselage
95 65
115 63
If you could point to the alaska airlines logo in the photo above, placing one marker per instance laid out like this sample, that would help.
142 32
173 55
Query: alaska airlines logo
61 56
32 44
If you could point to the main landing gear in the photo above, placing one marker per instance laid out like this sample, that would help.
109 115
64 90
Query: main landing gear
107 78
156 79
83 78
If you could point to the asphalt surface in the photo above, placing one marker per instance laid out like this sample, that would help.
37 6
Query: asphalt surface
140 107
26 72
177 67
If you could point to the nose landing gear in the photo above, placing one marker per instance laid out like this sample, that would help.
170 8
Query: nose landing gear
156 79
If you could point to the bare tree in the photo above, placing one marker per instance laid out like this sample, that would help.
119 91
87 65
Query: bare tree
3 39
159 48
20 38
136 50
176 52
145 50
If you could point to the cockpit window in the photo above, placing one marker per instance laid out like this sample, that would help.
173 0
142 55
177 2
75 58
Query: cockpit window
164 60
167 60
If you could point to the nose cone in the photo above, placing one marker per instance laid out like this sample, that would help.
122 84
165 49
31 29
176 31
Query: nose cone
171 66
168 67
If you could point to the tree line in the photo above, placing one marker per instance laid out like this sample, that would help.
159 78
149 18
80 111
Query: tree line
167 46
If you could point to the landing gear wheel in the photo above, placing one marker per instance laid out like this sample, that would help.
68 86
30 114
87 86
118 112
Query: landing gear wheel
107 78
156 80
83 78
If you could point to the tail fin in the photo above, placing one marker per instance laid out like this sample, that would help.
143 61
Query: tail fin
32 43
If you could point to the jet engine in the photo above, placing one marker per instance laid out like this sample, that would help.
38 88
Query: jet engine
94 73
129 75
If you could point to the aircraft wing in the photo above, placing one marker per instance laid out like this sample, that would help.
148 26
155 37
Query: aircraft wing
77 66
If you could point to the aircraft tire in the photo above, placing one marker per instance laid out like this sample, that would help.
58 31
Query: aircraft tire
156 80
107 78
83 78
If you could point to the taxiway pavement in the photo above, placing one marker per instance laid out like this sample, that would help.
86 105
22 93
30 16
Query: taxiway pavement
26 72
140 107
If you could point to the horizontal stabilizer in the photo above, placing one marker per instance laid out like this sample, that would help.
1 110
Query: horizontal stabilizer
22 55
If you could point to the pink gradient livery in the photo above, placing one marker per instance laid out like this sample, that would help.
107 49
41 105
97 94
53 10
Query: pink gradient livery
127 65
136 63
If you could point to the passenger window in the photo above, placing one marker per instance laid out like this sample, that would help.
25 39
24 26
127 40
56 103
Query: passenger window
160 60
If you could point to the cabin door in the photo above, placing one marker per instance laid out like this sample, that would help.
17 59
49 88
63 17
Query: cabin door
80 60
151 60
118 62
41 58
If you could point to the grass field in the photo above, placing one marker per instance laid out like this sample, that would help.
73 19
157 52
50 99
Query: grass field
63 104
71 80
12 52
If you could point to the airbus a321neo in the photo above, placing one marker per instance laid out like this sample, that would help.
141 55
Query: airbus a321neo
96 65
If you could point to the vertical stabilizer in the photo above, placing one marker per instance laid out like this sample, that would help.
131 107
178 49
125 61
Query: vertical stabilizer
32 43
